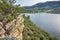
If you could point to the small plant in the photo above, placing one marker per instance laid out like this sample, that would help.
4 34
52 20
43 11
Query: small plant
10 18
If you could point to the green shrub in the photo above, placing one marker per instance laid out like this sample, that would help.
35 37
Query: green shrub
10 18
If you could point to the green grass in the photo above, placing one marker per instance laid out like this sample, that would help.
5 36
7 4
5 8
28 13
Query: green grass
32 32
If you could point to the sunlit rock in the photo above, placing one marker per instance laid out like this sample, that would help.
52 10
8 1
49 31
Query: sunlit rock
13 29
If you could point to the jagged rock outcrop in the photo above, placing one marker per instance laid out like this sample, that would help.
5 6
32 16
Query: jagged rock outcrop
13 29
2 31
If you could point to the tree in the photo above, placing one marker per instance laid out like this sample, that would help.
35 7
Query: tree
8 7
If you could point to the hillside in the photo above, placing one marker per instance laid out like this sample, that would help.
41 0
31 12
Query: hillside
56 10
42 7
11 22
32 32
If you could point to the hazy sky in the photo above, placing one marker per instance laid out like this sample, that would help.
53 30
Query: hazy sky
30 2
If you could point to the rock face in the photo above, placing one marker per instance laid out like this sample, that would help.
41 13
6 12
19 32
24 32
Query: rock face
13 29
2 31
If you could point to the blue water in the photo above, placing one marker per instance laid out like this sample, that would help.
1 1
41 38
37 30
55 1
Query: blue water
48 22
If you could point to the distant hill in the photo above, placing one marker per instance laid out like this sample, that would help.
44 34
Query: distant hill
56 10
43 6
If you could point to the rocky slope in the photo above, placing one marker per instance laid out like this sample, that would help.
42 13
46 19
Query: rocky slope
13 29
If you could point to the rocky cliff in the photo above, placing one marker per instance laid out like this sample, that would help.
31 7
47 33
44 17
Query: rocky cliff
13 29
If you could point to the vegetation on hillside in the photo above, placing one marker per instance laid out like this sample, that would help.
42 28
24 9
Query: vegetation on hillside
56 10
32 32
36 11
8 10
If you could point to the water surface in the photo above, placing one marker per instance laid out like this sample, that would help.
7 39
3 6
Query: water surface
47 22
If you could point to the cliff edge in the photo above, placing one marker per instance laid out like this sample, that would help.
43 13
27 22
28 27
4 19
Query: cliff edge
13 29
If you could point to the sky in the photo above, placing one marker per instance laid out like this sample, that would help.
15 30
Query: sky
30 2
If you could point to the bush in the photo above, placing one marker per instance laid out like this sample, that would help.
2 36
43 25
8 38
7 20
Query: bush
10 18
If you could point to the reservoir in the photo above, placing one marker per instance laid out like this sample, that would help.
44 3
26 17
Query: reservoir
47 22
